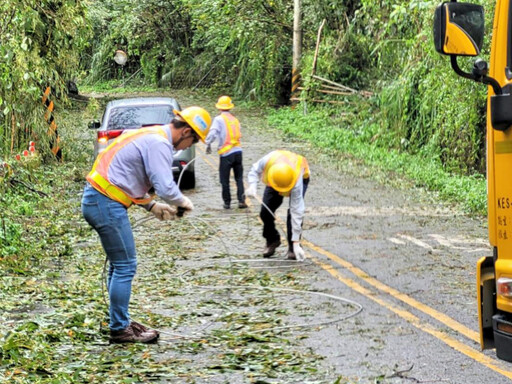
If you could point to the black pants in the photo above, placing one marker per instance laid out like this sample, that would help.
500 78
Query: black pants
232 161
273 200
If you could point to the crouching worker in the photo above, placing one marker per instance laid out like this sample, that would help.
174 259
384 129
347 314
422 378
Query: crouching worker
285 174
122 175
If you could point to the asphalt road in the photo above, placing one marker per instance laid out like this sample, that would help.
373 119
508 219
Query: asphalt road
405 258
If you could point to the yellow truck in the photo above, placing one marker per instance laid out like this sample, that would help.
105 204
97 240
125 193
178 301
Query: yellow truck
459 31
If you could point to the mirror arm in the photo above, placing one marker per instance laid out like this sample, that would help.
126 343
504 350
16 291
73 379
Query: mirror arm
458 71
493 83
481 79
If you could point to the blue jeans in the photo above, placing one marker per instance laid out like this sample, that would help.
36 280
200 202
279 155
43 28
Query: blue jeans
110 219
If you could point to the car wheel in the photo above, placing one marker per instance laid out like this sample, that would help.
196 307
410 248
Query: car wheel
188 180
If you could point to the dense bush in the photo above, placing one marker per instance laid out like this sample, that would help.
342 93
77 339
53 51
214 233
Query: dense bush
383 46
245 48
40 45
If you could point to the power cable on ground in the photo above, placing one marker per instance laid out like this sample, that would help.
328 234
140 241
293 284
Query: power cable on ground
229 288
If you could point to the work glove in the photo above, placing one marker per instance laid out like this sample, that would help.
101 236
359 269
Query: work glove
300 255
186 204
163 211
208 149
251 191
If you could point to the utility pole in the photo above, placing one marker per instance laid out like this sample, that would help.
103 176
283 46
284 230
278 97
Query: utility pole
297 48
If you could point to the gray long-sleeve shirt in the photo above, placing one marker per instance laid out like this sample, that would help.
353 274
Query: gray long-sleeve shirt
218 130
297 206
146 163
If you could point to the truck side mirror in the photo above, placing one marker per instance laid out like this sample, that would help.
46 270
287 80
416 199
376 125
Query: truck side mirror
94 125
459 29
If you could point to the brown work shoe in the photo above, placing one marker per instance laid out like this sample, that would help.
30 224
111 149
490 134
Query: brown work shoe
270 249
291 256
139 328
242 205
130 335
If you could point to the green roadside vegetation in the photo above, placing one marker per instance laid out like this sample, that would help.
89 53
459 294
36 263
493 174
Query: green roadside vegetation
421 120
346 134
383 47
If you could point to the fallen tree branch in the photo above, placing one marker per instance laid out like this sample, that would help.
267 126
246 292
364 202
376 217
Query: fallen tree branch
321 101
315 58
334 83
328 91
15 182
341 86
334 92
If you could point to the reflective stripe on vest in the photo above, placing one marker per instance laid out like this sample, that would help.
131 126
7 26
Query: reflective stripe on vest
232 133
297 162
98 177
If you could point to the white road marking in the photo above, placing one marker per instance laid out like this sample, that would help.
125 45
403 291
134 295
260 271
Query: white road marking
460 242
394 240
417 242
365 211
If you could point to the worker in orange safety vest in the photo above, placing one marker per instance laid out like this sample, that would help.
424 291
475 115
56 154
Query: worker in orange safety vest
135 163
284 173
226 129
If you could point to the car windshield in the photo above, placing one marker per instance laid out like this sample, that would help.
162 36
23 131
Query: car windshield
130 117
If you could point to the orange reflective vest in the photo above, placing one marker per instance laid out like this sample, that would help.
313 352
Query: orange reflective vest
297 162
98 177
232 133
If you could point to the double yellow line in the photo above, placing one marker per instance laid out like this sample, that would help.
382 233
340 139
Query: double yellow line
398 310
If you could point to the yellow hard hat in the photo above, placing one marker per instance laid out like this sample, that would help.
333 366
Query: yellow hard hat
198 118
281 177
224 103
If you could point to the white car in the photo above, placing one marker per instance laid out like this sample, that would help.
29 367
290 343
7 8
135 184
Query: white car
135 113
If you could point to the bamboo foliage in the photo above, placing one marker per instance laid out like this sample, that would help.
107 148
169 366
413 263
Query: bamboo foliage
40 43
235 44
378 49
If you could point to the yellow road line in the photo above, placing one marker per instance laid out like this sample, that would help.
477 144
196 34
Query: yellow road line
415 321
448 321
404 314
248 201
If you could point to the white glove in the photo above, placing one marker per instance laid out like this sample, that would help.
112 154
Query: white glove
300 255
251 191
186 203
208 149
163 211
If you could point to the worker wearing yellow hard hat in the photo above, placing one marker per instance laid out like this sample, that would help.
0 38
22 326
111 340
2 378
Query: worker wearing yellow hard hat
284 173
226 130
136 162
197 118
